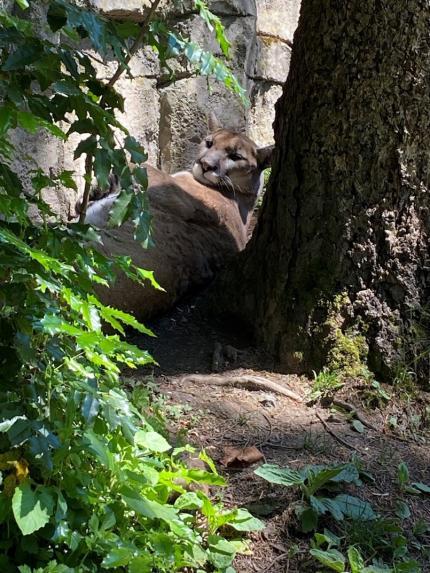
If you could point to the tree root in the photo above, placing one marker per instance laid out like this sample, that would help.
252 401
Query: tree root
246 381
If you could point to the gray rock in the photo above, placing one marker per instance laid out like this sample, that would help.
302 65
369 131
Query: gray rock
262 113
273 60
278 18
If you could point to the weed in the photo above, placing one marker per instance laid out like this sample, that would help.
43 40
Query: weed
315 479
376 547
325 384
374 395
406 486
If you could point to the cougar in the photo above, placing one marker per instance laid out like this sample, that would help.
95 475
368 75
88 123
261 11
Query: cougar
199 219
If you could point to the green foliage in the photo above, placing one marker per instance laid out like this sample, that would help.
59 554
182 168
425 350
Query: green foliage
169 44
370 547
213 23
315 479
325 384
403 479
87 482
355 561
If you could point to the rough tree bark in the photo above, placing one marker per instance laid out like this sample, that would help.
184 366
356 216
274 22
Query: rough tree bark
337 272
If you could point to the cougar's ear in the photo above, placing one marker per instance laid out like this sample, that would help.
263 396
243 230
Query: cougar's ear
264 156
213 123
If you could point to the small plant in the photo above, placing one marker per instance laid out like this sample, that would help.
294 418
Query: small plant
314 479
403 480
375 396
325 383
355 561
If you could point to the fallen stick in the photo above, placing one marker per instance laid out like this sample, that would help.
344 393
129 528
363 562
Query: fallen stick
353 410
281 557
246 381
334 435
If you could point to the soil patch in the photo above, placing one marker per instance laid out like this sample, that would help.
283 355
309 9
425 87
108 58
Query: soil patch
225 419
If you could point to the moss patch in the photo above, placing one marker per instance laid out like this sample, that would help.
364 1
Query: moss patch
347 347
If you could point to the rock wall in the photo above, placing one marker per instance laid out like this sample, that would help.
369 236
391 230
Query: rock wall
169 118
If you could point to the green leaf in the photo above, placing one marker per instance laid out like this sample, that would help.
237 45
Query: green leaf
141 564
202 476
402 509
56 16
410 566
66 87
355 508
421 487
66 178
316 478
102 167
5 507
148 507
22 56
402 474
137 152
88 145
152 441
120 208
308 519
7 119
222 552
283 476
377 569
328 537
244 521
358 426
355 559
118 557
189 500
141 176
100 449
33 123
332 559
111 315
32 508
23 4
213 22
421 527
323 504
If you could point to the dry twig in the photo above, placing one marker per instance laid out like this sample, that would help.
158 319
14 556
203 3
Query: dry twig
336 436
278 558
354 412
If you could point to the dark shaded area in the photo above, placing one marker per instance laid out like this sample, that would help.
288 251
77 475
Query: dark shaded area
187 337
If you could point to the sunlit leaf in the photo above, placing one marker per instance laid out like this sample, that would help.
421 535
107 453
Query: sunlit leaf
32 508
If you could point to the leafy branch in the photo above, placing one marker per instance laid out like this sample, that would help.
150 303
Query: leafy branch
86 482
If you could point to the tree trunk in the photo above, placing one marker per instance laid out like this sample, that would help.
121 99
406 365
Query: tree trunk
337 272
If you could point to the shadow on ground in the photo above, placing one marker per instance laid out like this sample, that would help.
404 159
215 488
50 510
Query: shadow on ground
287 432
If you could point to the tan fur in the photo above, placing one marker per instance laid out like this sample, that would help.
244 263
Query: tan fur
199 220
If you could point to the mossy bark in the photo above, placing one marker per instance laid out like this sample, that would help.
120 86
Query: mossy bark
347 209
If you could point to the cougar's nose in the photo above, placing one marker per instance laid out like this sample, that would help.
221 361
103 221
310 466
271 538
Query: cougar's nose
207 165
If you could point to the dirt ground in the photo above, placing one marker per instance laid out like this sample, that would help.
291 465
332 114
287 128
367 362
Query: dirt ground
286 431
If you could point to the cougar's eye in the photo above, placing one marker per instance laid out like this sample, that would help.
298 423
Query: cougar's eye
235 156
209 143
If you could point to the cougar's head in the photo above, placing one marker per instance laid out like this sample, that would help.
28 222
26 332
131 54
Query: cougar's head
231 161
